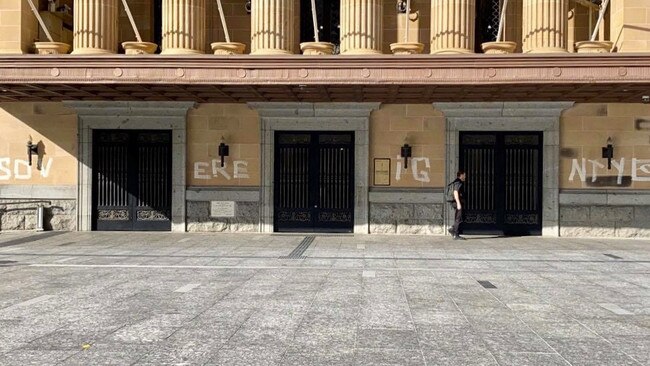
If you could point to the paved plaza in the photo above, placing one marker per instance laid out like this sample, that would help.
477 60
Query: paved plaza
221 299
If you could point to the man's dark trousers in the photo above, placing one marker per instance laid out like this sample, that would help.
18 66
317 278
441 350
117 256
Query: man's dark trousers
458 219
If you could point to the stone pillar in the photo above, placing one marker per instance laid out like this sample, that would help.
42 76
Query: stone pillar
184 27
272 25
630 25
452 26
95 26
545 26
361 27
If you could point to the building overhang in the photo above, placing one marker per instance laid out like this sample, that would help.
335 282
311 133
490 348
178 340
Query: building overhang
388 79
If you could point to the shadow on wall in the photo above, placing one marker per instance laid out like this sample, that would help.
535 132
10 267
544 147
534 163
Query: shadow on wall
615 47
53 129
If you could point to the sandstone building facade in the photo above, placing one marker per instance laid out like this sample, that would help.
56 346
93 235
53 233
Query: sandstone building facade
190 131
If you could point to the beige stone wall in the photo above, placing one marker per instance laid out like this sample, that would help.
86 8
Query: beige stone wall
630 25
50 125
18 27
394 24
420 126
240 128
143 15
584 130
239 23
55 25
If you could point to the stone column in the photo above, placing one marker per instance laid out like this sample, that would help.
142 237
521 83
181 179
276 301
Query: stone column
545 26
452 26
183 26
95 26
630 25
361 27
272 24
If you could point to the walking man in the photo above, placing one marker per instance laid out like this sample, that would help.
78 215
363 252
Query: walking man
457 200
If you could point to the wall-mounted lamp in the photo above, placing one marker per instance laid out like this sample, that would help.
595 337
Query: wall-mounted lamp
608 153
224 150
401 6
248 6
406 154
31 150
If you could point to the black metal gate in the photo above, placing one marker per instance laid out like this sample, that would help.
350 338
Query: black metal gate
314 181
504 182
132 180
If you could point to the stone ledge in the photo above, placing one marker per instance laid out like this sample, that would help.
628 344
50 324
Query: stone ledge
416 195
238 194
292 109
17 191
605 197
503 109
130 108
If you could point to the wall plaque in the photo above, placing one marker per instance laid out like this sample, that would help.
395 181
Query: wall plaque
222 209
382 172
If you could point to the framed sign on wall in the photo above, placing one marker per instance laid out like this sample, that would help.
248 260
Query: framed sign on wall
382 172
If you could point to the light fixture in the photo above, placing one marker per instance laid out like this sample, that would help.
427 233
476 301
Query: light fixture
608 153
31 150
224 150
405 153
248 6
401 6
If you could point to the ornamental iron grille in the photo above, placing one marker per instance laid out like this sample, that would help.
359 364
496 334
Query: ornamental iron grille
132 180
503 190
314 181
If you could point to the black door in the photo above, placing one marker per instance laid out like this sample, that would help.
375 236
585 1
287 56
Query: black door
504 182
314 181
132 180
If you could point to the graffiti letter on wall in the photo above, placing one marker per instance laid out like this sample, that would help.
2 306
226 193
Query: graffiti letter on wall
643 166
45 170
21 169
594 172
17 171
200 170
398 170
5 172
240 169
580 169
620 167
217 168
421 175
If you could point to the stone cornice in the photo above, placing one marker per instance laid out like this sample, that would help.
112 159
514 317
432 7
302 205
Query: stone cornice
337 70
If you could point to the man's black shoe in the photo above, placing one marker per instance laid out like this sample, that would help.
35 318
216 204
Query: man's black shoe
451 231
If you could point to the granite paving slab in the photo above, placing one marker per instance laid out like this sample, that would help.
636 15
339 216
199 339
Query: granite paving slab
227 299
